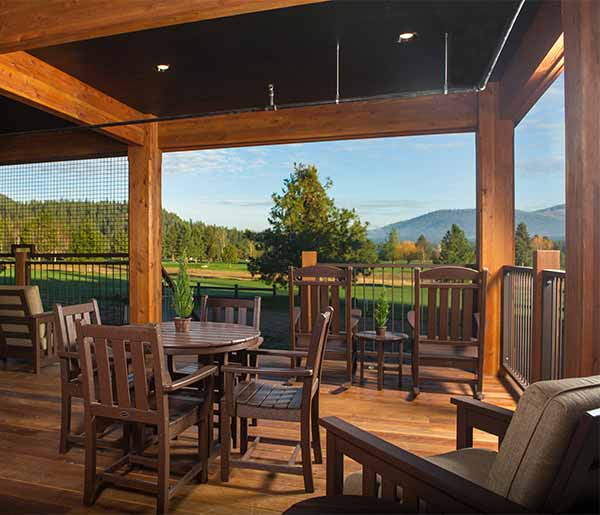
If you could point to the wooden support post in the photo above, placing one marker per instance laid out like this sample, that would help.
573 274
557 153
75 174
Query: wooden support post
21 257
495 212
581 25
542 260
145 281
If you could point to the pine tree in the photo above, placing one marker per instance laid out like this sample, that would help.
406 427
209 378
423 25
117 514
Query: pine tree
522 246
386 250
424 248
455 248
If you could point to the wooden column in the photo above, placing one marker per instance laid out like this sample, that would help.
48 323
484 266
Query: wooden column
542 260
145 287
21 257
495 212
581 25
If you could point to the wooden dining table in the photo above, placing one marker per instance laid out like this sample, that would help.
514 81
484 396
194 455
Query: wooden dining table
208 339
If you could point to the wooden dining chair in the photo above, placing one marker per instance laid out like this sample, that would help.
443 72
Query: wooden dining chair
317 287
65 318
151 399
448 324
268 401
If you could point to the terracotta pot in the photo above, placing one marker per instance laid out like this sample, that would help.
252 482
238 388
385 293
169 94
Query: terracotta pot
182 325
380 331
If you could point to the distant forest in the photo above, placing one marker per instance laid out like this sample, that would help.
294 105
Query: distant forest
86 227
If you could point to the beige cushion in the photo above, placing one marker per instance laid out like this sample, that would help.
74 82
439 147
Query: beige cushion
538 437
471 463
34 304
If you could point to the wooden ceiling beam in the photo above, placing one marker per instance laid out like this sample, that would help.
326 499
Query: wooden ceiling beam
538 62
433 114
27 79
26 24
64 146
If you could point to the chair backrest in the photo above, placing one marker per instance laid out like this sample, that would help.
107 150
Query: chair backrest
316 350
17 304
232 311
543 437
320 286
112 387
66 318
450 305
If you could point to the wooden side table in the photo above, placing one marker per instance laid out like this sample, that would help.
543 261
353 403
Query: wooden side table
379 352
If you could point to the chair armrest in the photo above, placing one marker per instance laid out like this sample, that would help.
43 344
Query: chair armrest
473 414
419 478
281 353
46 317
68 355
280 372
199 375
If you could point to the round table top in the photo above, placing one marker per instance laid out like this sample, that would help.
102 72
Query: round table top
389 337
208 338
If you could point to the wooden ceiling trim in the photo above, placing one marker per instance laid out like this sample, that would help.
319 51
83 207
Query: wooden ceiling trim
64 146
538 62
39 23
433 114
29 80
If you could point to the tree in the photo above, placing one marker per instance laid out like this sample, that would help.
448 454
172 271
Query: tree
541 243
406 251
230 254
386 249
304 217
86 239
522 246
455 248
424 248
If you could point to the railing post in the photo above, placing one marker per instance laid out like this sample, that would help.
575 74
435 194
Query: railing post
21 257
542 260
236 291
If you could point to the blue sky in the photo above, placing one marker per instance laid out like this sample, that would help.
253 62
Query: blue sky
386 180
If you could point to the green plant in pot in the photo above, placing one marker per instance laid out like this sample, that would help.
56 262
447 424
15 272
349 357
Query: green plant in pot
381 311
183 298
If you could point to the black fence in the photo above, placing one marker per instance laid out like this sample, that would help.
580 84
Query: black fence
553 323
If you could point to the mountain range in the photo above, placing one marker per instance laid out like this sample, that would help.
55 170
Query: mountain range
548 222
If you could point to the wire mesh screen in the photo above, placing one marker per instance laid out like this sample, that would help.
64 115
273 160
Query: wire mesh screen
74 215
77 207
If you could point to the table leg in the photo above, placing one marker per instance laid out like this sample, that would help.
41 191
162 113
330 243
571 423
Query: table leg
400 362
362 360
379 365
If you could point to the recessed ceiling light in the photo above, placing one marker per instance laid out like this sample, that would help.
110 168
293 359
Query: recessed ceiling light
405 37
162 67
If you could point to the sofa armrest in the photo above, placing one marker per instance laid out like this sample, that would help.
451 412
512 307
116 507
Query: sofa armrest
419 479
474 414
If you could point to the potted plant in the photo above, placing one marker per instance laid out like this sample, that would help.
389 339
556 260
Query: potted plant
381 311
183 298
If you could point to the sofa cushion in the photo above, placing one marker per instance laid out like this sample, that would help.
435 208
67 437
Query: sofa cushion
538 437
34 304
471 463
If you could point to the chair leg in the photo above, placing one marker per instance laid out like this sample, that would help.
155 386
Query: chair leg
203 450
164 470
89 488
65 422
225 440
316 434
306 453
243 435
415 376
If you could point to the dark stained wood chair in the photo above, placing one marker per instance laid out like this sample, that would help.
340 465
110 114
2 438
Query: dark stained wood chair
547 462
448 324
261 400
150 399
318 287
65 318
26 331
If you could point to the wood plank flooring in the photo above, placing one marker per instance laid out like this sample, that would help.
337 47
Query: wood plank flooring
35 478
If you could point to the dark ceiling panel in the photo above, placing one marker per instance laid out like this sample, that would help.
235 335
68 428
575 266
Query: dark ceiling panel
227 63
17 117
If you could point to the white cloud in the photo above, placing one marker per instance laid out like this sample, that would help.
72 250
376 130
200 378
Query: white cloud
213 162
547 165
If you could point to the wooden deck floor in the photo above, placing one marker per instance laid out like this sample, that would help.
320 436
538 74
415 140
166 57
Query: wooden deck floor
35 478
